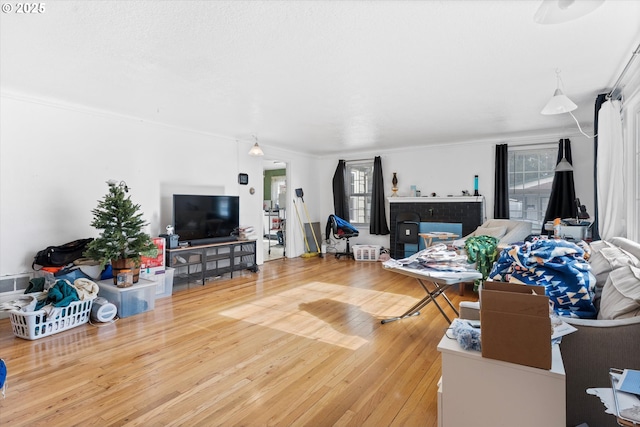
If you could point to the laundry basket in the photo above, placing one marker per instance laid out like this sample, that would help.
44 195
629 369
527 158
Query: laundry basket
366 252
36 324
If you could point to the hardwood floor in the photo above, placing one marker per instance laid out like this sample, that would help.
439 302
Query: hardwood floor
298 343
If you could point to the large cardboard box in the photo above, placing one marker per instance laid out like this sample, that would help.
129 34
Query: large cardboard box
515 324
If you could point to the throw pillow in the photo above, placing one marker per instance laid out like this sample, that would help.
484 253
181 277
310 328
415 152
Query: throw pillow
621 294
627 244
490 231
606 257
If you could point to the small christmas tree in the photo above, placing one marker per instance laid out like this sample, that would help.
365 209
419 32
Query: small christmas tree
122 224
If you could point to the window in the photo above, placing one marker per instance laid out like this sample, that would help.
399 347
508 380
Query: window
359 185
531 172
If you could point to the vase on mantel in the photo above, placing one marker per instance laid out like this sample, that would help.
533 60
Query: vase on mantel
394 181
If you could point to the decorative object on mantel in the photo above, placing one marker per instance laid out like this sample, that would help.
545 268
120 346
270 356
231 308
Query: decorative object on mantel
475 185
394 181
122 241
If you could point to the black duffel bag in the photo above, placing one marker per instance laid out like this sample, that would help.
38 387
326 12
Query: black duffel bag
58 256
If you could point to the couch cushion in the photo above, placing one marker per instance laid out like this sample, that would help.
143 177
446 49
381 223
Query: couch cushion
621 294
490 231
628 245
606 257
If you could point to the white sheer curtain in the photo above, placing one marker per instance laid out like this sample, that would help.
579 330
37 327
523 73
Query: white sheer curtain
611 192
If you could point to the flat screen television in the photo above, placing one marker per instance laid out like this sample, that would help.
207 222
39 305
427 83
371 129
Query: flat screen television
205 219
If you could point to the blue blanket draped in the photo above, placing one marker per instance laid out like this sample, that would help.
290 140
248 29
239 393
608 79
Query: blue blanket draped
557 265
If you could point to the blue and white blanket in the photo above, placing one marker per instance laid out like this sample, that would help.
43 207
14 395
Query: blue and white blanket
557 265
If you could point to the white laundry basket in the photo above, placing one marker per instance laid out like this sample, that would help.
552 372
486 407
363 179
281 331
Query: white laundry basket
366 252
36 324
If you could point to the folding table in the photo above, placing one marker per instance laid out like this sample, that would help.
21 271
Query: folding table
439 280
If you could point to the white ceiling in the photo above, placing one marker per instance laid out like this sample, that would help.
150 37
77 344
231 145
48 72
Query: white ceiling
321 77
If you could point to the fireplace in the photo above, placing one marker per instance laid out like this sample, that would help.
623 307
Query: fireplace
467 211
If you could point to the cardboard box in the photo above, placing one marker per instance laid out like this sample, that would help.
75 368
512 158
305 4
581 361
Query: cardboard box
515 324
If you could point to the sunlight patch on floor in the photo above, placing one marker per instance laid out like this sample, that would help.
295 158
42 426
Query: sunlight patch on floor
334 314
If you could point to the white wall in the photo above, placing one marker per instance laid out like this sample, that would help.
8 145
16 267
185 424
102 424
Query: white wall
449 169
55 159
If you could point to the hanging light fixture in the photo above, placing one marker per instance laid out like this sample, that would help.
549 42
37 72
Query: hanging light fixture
256 150
563 165
560 104
559 11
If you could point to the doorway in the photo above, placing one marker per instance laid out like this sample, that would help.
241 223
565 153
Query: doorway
274 208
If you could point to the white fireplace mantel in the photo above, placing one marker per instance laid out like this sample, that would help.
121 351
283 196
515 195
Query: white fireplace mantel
425 199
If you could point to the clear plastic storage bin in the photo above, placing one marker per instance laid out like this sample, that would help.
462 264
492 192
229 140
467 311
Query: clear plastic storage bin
135 299
164 281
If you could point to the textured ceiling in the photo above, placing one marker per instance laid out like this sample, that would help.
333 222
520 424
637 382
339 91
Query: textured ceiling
320 77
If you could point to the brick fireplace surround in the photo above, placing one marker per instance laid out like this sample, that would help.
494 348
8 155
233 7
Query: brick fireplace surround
468 211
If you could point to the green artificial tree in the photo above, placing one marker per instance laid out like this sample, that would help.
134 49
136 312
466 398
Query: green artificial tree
122 237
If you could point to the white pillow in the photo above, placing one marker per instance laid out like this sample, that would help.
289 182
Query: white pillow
606 257
621 294
497 232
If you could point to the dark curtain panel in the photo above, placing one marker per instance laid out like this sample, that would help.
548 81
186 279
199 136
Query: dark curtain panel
595 231
340 199
562 201
501 190
378 224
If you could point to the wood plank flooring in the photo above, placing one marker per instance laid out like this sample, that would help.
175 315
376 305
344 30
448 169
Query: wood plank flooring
299 343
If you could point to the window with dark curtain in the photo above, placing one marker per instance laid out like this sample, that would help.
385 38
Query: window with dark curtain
531 171
378 223
501 197
340 199
562 201
359 178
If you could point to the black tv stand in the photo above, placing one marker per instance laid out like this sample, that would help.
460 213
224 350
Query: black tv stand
199 262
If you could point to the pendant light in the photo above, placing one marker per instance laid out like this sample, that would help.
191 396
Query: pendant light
560 11
560 104
563 165
256 150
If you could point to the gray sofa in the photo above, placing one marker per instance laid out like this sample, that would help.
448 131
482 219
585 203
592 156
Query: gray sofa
599 344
